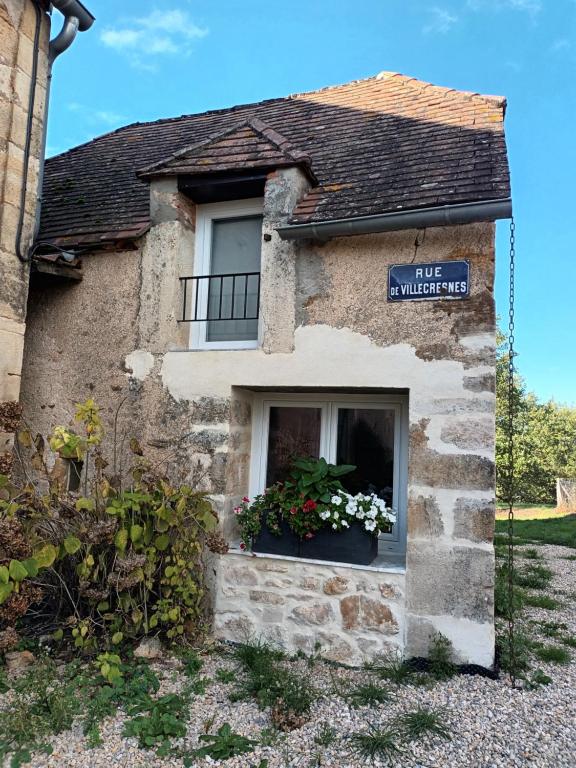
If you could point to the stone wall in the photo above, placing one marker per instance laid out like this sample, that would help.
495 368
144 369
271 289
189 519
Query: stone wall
347 613
326 326
17 25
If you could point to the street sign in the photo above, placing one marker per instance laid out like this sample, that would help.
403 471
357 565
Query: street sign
432 281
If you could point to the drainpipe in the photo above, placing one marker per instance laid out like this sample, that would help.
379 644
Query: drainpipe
76 18
438 216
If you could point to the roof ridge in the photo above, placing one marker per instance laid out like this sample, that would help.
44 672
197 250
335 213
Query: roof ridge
266 132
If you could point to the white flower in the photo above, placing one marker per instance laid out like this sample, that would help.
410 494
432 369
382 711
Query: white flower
345 524
370 525
360 514
334 526
335 515
336 500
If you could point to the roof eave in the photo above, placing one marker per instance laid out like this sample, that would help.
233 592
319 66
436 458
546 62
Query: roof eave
437 216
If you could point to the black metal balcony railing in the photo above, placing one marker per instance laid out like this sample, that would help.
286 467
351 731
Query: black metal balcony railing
221 297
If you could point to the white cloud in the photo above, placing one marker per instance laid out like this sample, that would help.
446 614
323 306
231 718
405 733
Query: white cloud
441 21
142 39
97 117
561 44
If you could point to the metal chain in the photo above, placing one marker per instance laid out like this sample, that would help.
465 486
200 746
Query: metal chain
510 478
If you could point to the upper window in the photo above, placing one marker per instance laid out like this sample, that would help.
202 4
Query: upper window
369 432
224 302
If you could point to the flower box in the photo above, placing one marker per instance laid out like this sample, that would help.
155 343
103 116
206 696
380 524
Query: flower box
268 543
355 545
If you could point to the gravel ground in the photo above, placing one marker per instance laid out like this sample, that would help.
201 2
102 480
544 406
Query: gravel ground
491 724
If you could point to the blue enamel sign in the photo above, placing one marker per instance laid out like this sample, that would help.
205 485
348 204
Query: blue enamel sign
432 281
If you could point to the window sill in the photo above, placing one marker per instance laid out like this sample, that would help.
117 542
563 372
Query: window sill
384 563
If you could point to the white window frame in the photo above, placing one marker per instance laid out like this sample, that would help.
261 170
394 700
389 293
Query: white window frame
205 216
394 542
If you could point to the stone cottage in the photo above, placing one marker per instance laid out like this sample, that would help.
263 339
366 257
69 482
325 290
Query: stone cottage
315 271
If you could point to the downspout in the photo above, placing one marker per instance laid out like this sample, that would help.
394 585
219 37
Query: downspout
438 216
76 17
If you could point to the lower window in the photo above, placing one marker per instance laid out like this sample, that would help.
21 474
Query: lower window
368 432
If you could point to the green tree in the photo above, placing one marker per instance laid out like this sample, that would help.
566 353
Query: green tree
544 438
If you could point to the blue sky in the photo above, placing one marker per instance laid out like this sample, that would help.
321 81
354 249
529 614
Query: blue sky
146 59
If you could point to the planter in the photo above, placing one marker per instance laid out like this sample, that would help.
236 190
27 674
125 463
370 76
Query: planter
355 545
270 544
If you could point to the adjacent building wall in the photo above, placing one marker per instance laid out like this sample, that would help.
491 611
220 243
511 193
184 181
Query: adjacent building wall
17 26
326 324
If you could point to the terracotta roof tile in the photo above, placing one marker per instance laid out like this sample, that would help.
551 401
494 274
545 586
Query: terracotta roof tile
384 144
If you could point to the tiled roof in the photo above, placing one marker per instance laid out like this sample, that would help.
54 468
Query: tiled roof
249 144
384 144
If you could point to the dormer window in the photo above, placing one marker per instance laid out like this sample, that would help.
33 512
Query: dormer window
225 296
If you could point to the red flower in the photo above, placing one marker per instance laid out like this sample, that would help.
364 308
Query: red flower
293 510
309 536
245 499
309 506
242 546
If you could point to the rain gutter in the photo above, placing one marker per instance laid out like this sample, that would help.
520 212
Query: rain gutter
76 18
438 216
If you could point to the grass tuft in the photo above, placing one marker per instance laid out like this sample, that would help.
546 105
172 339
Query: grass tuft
422 722
376 743
553 654
542 601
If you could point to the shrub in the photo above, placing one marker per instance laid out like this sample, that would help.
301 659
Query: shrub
376 743
110 565
553 654
440 657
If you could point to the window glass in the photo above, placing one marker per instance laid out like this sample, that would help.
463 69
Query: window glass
293 432
236 246
366 439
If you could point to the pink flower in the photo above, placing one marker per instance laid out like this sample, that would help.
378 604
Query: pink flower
242 546
237 510
293 510
309 535
245 499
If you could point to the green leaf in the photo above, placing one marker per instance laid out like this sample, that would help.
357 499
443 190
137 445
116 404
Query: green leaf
121 539
31 567
136 532
46 556
161 542
17 570
87 504
342 469
5 590
71 543
58 635
4 574
117 637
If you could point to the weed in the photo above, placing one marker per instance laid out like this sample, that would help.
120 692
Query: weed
531 553
368 694
521 652
225 675
224 744
159 721
43 703
192 663
420 722
199 685
326 736
569 640
440 657
376 743
269 737
289 694
533 577
569 557
553 654
502 605
551 628
538 678
392 667
541 601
